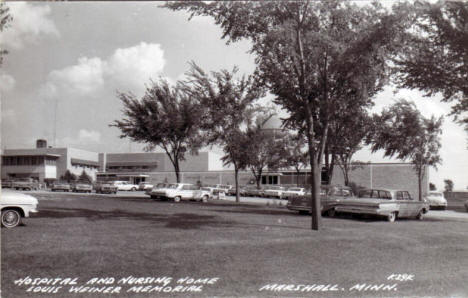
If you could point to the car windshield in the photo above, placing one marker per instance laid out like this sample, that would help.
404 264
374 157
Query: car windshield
172 186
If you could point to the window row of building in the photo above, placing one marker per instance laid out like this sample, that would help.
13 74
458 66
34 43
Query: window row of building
28 160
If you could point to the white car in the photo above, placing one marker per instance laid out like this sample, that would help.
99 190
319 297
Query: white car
436 199
294 191
145 186
14 206
181 191
274 191
126 186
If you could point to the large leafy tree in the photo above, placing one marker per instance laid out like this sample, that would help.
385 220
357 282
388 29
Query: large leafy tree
347 134
229 108
313 56
266 149
84 177
448 185
164 117
402 131
68 176
5 19
435 59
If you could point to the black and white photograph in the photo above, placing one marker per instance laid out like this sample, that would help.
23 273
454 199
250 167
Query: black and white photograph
310 148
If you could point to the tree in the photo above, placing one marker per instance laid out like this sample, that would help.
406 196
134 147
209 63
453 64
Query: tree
312 56
265 149
68 176
403 132
295 154
165 117
229 111
432 187
448 185
5 19
347 133
84 177
435 59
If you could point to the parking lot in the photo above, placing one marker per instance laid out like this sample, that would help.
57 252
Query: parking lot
82 245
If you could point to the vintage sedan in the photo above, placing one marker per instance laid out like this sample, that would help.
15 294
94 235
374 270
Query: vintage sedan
293 192
145 186
273 191
15 206
388 203
330 195
60 186
105 187
82 187
436 199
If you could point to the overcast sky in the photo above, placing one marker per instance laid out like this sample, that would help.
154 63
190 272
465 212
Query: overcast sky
73 57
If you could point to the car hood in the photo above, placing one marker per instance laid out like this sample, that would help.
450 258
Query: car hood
8 197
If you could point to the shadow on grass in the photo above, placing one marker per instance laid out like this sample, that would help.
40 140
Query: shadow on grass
176 221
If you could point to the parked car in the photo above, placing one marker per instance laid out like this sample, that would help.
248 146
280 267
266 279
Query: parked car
293 192
436 199
180 191
126 186
388 203
25 184
145 186
7 183
82 187
256 192
273 191
330 195
209 190
155 187
60 186
105 187
249 190
15 206
222 188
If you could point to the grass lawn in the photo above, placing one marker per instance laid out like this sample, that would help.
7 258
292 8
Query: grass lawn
234 250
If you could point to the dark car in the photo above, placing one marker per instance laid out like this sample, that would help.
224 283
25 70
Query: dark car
330 195
82 187
105 187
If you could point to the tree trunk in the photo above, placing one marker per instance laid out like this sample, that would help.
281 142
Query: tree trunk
330 170
315 171
236 177
177 170
315 194
420 177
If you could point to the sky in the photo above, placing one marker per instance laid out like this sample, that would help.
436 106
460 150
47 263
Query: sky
68 60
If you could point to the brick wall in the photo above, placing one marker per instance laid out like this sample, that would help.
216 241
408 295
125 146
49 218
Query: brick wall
385 175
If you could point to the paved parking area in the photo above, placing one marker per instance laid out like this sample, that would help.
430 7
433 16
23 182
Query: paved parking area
242 250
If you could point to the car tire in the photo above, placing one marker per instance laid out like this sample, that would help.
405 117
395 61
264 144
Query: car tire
204 199
331 212
391 217
133 189
10 218
420 215
177 199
